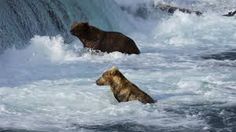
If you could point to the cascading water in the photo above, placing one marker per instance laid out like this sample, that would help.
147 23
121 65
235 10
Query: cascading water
22 19
49 85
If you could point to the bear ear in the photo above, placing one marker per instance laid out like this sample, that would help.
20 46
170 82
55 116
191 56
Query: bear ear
113 70
74 24
86 24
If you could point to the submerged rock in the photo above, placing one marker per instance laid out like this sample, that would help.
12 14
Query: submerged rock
171 9
229 14
228 55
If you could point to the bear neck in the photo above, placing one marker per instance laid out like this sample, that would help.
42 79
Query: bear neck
118 83
93 37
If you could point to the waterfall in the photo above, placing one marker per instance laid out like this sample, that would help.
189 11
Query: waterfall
22 19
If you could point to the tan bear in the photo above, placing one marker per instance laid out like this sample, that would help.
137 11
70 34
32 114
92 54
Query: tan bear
122 88
97 39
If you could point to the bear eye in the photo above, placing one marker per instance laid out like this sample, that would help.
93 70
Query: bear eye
104 74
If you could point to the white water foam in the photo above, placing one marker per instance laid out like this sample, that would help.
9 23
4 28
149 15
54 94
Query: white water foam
50 85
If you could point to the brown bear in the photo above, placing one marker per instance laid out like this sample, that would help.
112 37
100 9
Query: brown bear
122 88
104 41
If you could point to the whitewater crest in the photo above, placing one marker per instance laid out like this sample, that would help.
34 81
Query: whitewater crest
49 85
41 49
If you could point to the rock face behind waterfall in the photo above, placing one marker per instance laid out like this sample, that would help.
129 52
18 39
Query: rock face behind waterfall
172 9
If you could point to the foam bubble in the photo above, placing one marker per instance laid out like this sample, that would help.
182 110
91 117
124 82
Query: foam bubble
185 30
42 49
48 47
50 85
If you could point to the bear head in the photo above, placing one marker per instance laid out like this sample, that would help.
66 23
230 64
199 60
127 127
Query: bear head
110 77
79 29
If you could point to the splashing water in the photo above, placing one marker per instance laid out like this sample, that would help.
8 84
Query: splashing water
50 84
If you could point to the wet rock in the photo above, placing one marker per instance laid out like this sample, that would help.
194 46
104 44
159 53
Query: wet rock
228 55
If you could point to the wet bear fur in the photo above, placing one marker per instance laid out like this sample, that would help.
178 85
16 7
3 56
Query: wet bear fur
122 88
104 41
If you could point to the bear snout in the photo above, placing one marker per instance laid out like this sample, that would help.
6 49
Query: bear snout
72 32
99 82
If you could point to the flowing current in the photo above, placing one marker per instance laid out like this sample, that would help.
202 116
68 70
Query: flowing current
47 79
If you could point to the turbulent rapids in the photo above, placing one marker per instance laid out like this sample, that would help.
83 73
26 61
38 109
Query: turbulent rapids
187 63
